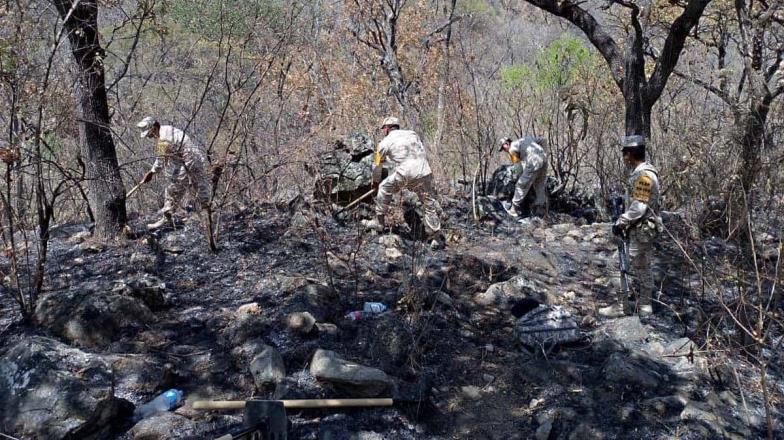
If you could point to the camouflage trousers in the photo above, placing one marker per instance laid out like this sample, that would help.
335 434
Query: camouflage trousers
421 186
640 254
533 176
181 177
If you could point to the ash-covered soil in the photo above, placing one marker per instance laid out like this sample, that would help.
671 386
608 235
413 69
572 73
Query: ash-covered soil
159 311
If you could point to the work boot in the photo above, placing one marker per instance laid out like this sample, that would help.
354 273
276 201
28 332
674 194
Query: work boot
165 219
510 209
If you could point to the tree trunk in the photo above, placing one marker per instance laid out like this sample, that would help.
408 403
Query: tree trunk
107 194
752 141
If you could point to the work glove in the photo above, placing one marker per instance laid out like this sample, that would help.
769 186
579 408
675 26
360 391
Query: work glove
618 230
377 173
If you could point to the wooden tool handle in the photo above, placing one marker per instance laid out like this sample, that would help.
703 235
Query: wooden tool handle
296 404
133 190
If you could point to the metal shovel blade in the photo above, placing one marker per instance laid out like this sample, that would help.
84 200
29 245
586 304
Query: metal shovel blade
271 413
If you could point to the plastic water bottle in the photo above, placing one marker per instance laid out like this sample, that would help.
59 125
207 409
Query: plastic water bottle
356 315
374 308
368 310
164 402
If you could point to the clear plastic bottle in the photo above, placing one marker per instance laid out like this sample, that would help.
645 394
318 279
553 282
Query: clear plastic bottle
356 315
164 402
374 308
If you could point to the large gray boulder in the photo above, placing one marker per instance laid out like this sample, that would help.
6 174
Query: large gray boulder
49 390
349 377
346 171
91 317
504 294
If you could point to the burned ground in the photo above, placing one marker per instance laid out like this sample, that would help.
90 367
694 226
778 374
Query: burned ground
160 312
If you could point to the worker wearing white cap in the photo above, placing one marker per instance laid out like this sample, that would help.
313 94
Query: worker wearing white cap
184 163
404 149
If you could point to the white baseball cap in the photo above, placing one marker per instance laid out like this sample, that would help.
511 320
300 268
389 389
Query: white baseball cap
391 120
146 125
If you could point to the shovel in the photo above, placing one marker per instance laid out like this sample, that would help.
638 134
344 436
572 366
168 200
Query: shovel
269 416
355 202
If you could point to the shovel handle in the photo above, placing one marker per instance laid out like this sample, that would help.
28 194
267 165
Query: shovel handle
296 404
133 190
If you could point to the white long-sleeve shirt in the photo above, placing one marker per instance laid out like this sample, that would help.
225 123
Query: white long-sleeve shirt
528 151
175 148
404 149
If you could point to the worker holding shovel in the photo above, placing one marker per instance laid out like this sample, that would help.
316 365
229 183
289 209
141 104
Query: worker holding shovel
184 163
412 172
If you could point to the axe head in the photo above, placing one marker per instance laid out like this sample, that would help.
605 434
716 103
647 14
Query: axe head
270 415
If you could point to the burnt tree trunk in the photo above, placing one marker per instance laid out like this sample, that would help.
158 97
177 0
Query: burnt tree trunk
106 191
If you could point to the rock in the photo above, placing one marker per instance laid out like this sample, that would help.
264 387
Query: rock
471 392
301 322
51 390
164 425
349 377
136 374
267 367
503 294
244 328
629 370
244 353
696 412
585 431
91 318
147 288
388 341
544 429
346 169
327 328
338 267
248 309
390 241
143 260
626 332
80 236
393 253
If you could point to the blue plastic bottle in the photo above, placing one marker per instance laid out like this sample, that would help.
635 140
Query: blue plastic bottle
164 402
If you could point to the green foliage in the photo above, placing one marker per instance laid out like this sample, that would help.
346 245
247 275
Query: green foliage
515 76
8 59
559 62
474 7
211 19
555 67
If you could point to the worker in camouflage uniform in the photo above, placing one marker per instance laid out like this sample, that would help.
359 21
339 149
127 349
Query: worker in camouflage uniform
527 154
184 163
640 223
412 172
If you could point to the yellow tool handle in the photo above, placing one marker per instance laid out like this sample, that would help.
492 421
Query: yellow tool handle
296 404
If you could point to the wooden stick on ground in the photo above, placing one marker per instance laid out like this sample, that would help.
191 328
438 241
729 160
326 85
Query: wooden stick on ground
296 404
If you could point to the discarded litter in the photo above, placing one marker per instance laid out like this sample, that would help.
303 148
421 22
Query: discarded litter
370 309
374 307
164 402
